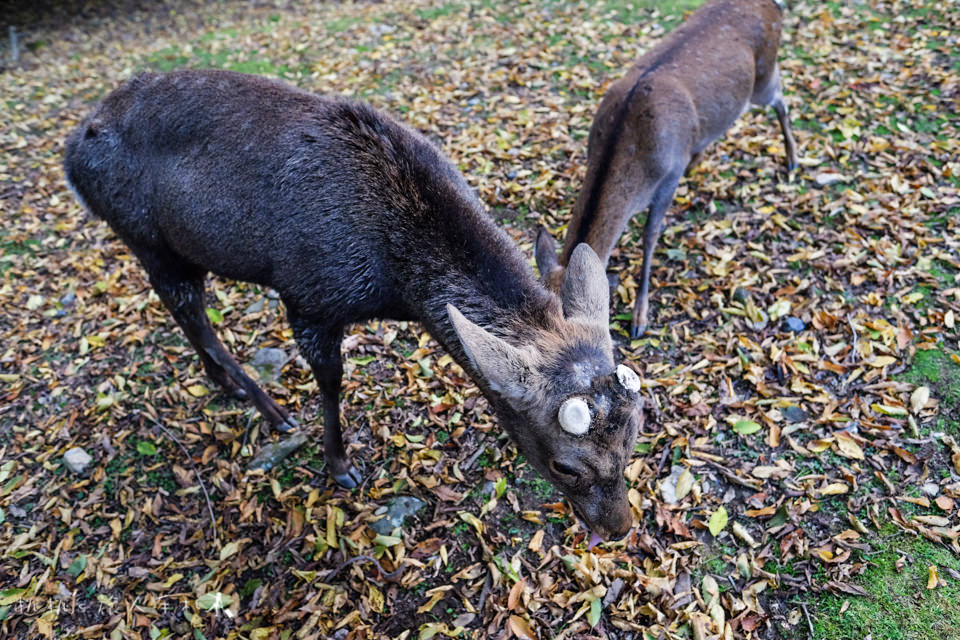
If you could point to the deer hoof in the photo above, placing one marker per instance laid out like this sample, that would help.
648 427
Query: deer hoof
637 331
349 480
286 426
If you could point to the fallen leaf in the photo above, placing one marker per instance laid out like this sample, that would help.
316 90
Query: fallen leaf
718 521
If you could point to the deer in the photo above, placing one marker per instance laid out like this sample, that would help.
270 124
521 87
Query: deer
654 123
349 216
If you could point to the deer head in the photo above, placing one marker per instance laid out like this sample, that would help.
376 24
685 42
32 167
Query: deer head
571 410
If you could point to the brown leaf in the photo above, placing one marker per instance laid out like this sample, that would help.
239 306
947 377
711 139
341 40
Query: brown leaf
521 628
514 598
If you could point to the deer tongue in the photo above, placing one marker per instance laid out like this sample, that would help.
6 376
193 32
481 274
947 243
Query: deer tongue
594 540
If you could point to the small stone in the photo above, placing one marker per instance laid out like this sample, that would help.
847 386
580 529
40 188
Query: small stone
793 323
255 307
741 295
488 488
794 413
827 179
268 362
930 488
77 460
398 509
668 488
276 452
464 619
68 299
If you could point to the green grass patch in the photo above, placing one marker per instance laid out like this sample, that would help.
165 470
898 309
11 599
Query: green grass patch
898 605
936 369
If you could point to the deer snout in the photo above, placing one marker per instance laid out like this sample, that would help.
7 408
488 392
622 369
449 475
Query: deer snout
616 524
609 517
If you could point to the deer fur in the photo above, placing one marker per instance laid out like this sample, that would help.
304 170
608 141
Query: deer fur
350 216
654 123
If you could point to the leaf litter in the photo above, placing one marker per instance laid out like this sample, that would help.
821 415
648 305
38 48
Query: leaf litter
784 312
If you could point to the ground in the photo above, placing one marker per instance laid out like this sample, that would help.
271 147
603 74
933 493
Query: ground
788 484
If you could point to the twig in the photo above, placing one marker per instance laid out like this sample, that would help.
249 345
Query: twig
14 48
387 575
654 404
246 432
203 487
853 349
803 605
481 447
484 593
732 477
663 459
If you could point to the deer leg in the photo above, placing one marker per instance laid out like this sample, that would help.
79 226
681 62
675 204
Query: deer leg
180 288
789 143
659 204
320 346
694 161
771 94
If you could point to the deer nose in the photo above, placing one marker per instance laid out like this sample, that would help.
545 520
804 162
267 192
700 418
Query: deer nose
620 522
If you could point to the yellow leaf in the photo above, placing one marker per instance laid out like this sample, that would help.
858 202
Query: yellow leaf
436 595
375 597
882 361
847 446
228 550
824 554
684 484
536 541
819 446
933 578
888 410
172 580
835 489
198 390
471 519
919 398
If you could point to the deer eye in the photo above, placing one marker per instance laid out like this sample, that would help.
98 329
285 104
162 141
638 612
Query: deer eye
564 470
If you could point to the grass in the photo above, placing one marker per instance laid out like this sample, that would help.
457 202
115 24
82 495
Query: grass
898 605
936 369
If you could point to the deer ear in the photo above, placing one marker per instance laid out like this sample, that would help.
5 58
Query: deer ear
585 292
506 369
545 252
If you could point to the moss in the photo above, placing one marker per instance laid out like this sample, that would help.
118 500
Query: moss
898 605
936 369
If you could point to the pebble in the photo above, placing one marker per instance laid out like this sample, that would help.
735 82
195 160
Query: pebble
793 323
827 179
930 488
255 307
77 460
794 413
268 362
395 513
668 488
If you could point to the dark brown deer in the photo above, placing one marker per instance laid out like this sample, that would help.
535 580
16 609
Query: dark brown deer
351 216
654 123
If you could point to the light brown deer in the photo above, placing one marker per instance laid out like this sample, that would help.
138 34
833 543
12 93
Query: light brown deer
654 123
350 215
